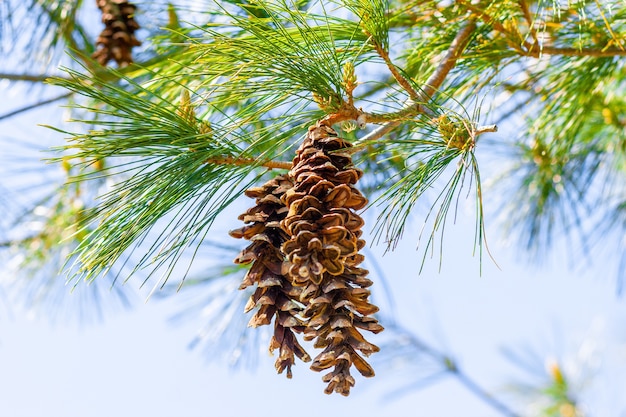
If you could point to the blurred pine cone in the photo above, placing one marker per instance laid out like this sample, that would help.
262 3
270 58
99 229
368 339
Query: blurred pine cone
275 295
117 39
322 256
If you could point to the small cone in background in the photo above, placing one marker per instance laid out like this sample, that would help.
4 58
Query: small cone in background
117 39
322 256
275 296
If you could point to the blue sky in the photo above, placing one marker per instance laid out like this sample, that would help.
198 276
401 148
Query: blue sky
135 363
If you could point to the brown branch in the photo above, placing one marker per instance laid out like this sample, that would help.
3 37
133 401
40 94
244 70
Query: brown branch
455 50
433 83
230 160
34 106
535 49
528 17
526 12
346 112
488 19
393 120
404 83
349 112
26 77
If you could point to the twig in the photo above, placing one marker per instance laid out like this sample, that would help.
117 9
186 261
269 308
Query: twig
404 83
432 84
529 19
536 50
455 50
485 129
230 160
349 112
380 131
27 77
480 392
454 370
389 126
34 106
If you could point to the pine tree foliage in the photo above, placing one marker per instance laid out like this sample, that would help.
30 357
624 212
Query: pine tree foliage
43 29
224 92
51 224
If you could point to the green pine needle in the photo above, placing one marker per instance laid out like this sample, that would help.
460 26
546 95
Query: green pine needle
173 178
433 155
374 19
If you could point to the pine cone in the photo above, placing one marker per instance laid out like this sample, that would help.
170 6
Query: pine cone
275 295
323 256
117 39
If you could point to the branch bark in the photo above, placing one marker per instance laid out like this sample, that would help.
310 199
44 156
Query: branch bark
404 83
27 77
433 83
535 49
455 50
34 106
528 17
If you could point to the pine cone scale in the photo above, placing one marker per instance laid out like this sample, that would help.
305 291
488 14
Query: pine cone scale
275 297
117 39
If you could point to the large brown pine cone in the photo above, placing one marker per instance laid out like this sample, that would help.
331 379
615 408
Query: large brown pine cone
275 296
322 256
117 39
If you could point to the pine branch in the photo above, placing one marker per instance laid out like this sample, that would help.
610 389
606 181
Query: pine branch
528 17
190 160
480 392
449 61
380 131
535 49
453 369
27 77
486 129
152 126
34 106
404 83
432 84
